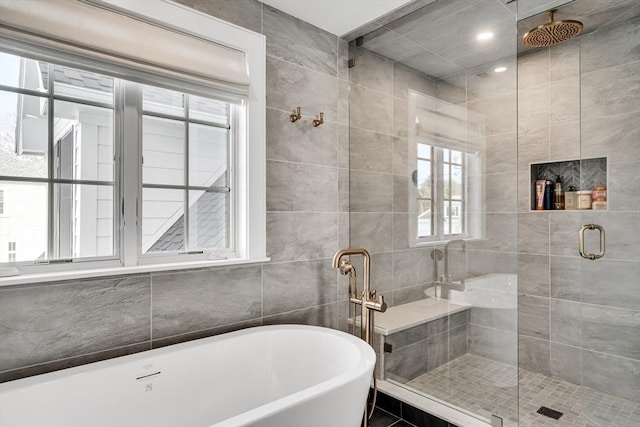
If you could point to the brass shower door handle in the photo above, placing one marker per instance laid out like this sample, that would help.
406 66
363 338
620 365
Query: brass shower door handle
585 255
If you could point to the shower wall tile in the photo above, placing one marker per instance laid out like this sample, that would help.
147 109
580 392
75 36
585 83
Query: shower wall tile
381 272
408 336
205 333
533 107
343 190
400 157
611 330
619 227
371 110
410 294
290 85
533 233
565 142
501 154
343 146
401 230
407 363
370 151
60 320
498 318
343 60
533 147
564 60
533 68
296 236
598 52
566 322
483 82
299 42
401 191
533 275
500 191
372 231
533 355
437 351
566 362
499 235
343 103
245 13
488 262
371 71
301 187
412 267
400 118
611 91
597 280
565 101
614 137
324 315
406 79
458 341
611 374
294 286
533 316
194 300
300 142
371 192
493 344
499 112
622 185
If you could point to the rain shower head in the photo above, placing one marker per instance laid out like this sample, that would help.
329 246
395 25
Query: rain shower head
553 32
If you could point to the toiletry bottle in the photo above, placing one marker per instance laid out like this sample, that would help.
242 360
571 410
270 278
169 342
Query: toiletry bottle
548 195
571 198
540 184
558 195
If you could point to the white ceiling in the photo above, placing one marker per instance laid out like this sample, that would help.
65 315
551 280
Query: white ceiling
338 17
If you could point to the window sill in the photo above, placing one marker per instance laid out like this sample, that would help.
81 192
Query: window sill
57 276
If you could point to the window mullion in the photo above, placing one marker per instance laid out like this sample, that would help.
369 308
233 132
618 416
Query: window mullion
187 245
50 167
130 99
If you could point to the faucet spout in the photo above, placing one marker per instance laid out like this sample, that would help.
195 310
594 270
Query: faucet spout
447 247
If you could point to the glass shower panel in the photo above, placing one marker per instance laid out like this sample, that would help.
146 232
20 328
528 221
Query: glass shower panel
579 330
433 184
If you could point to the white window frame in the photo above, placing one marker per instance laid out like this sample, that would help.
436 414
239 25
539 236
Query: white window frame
249 177
435 135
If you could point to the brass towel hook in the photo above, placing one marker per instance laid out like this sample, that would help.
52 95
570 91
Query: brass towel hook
317 122
297 116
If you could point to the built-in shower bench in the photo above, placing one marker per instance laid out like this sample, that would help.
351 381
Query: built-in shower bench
414 338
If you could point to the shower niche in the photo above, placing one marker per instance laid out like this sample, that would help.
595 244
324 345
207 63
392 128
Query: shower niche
575 176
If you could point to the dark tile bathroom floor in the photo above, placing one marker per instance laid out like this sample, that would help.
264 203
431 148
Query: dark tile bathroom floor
382 418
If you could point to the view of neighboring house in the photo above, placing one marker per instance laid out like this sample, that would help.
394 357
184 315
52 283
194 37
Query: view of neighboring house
80 221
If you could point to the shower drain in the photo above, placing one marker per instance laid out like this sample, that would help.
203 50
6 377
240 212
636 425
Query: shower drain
548 412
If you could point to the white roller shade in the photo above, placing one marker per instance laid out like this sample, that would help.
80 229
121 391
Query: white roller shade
128 43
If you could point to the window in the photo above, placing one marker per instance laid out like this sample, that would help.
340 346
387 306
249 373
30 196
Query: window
131 162
444 197
11 252
1 202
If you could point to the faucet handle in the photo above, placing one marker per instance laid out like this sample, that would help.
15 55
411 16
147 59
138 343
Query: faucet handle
376 302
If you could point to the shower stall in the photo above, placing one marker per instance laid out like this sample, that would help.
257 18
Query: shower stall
506 310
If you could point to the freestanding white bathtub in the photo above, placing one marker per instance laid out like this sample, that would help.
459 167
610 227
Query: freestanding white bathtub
270 376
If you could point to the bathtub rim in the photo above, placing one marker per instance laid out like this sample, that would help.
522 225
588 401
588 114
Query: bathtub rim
365 362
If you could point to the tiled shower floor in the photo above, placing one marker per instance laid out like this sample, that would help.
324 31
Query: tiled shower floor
485 387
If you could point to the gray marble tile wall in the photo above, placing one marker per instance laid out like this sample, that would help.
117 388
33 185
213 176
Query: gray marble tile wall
580 319
51 326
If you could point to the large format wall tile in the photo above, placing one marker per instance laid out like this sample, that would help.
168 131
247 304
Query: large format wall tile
493 344
533 354
299 42
566 362
294 286
290 86
372 231
611 91
371 71
299 141
370 151
202 299
611 330
616 375
300 187
45 323
370 192
597 52
295 236
371 110
533 316
323 315
533 275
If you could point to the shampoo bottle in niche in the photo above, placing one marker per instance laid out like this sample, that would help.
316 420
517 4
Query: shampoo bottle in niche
558 195
548 195
540 185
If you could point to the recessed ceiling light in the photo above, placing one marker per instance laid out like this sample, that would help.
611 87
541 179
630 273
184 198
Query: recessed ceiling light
500 69
486 35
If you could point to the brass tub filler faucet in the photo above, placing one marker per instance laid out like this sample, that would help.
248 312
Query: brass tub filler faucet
368 301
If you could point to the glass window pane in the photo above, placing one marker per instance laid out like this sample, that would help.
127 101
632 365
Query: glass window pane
446 155
82 84
456 182
83 224
424 218
424 170
23 73
446 211
208 110
445 179
456 157
162 220
424 151
24 221
23 135
208 220
456 217
163 149
163 101
208 156
83 142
